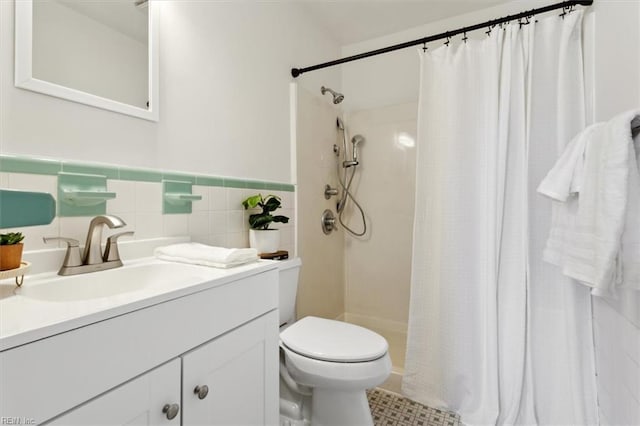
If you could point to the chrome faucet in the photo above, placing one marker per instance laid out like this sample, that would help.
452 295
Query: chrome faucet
93 247
93 259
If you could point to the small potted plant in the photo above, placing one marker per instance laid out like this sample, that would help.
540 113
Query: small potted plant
261 237
10 250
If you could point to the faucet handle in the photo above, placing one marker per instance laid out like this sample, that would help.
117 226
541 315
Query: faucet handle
111 253
72 257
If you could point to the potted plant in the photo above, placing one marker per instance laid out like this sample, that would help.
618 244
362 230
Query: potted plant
261 237
10 250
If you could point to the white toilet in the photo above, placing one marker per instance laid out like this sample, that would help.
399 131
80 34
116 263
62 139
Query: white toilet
325 365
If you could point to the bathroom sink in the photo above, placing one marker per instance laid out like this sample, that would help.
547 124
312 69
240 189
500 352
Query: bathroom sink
113 282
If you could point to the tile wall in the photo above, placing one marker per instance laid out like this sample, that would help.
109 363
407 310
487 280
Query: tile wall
218 219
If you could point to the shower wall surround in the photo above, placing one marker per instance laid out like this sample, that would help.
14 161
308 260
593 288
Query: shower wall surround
321 285
378 266
218 218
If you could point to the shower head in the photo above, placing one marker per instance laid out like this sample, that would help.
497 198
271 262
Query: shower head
337 97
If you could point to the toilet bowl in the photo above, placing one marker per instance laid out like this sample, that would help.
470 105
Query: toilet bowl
326 365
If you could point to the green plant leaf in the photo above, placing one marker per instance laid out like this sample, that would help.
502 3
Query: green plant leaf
281 219
260 221
271 203
252 202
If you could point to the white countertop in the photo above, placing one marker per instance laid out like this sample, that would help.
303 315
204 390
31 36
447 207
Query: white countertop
26 319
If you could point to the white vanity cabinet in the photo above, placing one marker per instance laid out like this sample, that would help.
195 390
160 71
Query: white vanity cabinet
227 382
141 401
126 368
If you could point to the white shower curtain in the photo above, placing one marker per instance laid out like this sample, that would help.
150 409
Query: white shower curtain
494 333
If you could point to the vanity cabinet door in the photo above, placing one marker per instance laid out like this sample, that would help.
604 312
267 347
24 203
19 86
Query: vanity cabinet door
137 402
240 372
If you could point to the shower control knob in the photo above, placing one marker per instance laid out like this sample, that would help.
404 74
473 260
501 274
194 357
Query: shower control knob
201 391
171 410
328 222
329 192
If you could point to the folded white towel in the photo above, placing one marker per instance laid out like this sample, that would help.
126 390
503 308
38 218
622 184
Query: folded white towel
201 254
595 235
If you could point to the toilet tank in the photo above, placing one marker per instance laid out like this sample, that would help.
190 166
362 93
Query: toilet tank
289 271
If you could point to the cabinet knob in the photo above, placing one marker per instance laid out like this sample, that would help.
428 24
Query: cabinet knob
171 410
201 391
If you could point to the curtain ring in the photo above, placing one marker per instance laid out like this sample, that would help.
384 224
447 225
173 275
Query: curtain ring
446 43
465 38
424 46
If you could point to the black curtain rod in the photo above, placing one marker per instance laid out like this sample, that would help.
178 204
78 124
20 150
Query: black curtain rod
295 72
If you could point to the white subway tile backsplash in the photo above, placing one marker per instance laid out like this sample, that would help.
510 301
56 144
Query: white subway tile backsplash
33 235
218 219
235 197
125 201
199 225
218 222
218 198
203 204
175 225
74 227
235 221
148 197
237 239
218 240
130 225
148 225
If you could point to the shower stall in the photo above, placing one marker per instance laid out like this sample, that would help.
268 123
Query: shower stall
360 273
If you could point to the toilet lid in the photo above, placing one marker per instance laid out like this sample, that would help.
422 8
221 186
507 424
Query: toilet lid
330 340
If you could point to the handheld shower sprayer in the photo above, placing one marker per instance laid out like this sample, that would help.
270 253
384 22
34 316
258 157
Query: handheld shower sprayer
355 141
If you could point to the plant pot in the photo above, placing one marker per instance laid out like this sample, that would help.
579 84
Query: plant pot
264 240
10 256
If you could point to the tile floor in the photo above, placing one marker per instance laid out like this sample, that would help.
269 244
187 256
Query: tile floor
391 409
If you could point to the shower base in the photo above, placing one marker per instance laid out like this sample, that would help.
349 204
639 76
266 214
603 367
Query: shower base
396 335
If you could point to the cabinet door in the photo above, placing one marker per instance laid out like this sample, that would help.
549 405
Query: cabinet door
240 370
137 402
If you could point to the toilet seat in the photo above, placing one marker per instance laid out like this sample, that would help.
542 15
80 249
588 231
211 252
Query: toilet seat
334 341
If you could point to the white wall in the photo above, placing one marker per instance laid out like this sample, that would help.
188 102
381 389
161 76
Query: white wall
224 95
616 65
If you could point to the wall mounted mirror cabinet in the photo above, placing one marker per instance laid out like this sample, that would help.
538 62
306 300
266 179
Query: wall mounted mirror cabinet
100 53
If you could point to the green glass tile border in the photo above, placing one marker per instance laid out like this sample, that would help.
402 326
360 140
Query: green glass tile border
29 165
254 184
234 183
184 177
44 166
108 172
140 175
209 181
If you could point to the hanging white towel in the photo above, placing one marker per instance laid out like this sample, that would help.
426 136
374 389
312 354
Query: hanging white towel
595 235
201 254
